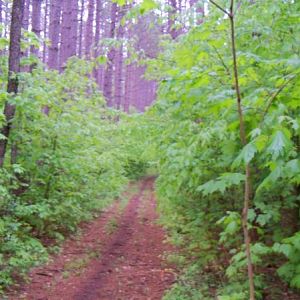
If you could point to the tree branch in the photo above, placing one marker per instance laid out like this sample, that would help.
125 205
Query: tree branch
219 7
275 95
222 60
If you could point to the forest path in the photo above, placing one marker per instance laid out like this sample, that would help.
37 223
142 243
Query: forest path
118 256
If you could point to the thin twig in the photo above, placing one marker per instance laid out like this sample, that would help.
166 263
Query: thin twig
274 96
222 61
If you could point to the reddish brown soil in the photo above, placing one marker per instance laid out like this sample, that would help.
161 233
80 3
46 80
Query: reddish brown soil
119 256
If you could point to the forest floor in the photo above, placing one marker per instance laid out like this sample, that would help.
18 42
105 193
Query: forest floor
119 255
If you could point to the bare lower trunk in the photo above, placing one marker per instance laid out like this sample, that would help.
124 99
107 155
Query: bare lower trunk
65 33
80 39
119 63
54 31
99 14
14 69
108 76
74 28
1 8
36 24
89 29
128 88
45 30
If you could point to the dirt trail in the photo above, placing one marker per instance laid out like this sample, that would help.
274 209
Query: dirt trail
118 257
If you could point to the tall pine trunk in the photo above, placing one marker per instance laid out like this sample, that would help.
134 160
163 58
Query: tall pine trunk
89 29
119 63
99 14
14 69
66 40
7 18
80 38
74 28
54 31
45 30
128 87
108 76
36 22
1 9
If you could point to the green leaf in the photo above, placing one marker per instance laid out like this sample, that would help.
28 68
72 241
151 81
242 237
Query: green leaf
211 187
246 155
279 143
286 271
285 249
295 282
147 5
223 182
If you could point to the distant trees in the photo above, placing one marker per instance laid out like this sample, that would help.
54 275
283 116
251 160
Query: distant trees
94 28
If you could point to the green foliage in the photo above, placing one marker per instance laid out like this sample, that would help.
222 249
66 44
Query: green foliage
201 159
224 181
191 286
74 156
290 248
78 157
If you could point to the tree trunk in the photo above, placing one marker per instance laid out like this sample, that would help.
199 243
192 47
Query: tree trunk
108 76
89 29
36 22
14 69
54 31
80 39
99 9
45 30
7 18
69 31
119 78
74 27
25 25
1 8
171 19
128 88
243 137
1 22
26 14
119 64
66 40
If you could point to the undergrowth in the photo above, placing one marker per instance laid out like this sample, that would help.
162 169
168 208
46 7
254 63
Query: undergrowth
71 163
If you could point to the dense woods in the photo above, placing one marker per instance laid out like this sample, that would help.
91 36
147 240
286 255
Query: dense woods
203 94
